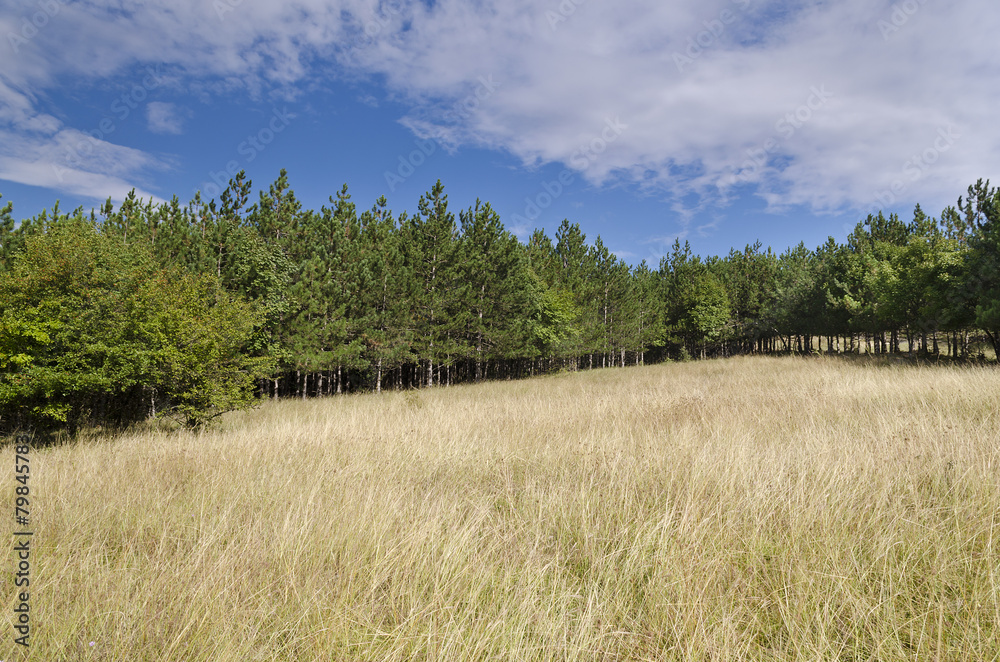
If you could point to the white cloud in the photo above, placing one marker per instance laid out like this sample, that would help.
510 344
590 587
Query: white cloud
165 117
69 180
691 128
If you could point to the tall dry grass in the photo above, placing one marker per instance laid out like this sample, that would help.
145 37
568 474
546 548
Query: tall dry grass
753 508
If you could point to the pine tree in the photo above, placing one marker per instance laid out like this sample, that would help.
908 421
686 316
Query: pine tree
385 287
493 287
11 241
982 275
576 270
650 331
431 239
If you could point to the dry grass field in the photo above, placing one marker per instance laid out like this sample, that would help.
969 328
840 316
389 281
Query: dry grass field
744 509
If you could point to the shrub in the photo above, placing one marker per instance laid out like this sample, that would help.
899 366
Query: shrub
92 331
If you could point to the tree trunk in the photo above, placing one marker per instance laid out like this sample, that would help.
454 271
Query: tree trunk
995 341
479 337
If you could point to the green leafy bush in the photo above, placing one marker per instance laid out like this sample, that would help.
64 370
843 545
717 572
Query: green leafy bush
91 330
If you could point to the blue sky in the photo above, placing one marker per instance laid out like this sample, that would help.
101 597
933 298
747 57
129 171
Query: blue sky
714 121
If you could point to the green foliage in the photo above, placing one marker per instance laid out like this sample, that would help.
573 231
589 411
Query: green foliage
707 310
553 314
91 330
384 284
10 241
492 281
431 241
699 308
200 335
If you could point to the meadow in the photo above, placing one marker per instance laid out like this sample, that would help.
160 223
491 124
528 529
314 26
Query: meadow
742 509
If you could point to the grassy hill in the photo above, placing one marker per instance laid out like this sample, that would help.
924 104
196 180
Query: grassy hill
752 508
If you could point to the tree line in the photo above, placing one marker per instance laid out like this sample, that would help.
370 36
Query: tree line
193 310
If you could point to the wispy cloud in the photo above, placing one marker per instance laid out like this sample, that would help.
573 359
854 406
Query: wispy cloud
94 185
165 117
38 150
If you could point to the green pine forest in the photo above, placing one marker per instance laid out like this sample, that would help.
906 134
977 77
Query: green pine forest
188 311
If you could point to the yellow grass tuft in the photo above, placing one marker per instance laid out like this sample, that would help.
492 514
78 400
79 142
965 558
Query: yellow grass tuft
745 509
